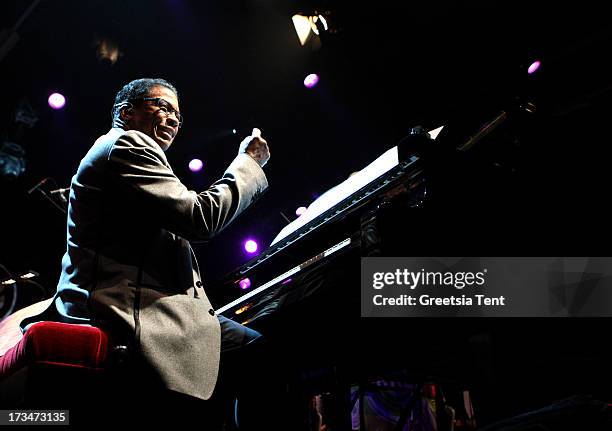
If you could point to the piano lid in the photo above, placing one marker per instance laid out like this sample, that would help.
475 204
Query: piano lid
383 164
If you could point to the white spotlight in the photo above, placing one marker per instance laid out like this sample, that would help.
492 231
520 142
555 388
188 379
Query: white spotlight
302 27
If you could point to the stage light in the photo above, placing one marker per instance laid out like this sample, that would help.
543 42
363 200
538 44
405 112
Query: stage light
57 101
324 22
311 80
196 165
250 246
28 275
12 154
534 67
307 24
302 27
318 24
234 131
300 211
245 283
108 50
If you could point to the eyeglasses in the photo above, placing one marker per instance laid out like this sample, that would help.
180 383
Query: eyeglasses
164 106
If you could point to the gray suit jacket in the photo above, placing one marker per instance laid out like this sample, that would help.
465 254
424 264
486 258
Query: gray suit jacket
128 266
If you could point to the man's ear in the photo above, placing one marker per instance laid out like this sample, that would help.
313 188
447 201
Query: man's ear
126 112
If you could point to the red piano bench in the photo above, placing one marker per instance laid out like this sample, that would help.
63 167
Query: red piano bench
60 366
53 365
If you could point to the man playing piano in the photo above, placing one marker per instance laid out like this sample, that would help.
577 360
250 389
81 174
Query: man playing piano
128 267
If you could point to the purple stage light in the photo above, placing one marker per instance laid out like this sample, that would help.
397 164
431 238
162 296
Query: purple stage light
250 246
57 101
300 211
534 67
244 284
196 165
311 80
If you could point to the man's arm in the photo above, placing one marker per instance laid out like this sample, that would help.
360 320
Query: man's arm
140 165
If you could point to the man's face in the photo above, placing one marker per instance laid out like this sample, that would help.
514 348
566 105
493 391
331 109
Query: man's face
155 121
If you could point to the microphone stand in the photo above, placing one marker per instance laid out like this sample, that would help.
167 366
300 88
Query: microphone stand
47 195
55 204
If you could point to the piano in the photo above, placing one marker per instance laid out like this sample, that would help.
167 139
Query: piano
304 291
332 226
373 212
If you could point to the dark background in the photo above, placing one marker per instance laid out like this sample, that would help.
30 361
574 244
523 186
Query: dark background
386 68
238 64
